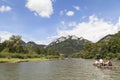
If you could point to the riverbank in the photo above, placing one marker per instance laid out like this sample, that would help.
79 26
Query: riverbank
17 60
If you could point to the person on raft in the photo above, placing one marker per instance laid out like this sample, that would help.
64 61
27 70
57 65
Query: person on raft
100 62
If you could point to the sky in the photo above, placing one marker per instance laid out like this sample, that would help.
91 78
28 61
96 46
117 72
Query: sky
43 21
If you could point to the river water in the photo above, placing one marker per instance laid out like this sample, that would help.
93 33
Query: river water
69 69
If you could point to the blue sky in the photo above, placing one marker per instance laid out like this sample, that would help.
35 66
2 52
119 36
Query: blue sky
45 20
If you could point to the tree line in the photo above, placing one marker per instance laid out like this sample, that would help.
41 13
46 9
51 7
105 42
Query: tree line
15 47
108 47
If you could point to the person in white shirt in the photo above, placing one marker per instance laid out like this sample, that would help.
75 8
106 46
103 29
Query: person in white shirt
96 62
101 62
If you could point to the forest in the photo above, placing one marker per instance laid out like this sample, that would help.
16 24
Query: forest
108 47
15 47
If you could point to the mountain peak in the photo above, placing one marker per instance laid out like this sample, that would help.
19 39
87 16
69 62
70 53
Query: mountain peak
63 38
106 38
68 45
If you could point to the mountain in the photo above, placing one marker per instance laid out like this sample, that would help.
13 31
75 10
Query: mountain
108 47
32 44
67 45
106 38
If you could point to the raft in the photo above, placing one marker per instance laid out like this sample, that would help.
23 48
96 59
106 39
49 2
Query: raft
105 67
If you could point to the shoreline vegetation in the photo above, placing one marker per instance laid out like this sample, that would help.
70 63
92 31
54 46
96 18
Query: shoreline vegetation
18 60
15 50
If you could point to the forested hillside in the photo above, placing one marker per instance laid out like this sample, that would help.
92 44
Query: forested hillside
107 47
68 45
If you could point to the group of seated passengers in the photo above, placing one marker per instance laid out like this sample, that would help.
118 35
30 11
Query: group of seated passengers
100 62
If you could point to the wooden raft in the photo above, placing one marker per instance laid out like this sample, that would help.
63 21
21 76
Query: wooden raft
106 67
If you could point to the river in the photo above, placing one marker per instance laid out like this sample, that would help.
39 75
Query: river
69 69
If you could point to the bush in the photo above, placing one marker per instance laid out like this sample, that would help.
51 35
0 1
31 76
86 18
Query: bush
4 55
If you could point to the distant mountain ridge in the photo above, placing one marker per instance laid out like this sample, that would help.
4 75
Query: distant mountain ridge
106 38
68 45
61 39
32 44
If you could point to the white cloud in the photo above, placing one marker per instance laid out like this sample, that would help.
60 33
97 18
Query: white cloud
76 7
47 41
93 30
70 13
42 42
5 8
43 8
4 35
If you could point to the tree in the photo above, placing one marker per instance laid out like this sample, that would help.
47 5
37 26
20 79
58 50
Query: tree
14 44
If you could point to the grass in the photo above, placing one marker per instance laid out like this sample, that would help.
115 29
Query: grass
17 60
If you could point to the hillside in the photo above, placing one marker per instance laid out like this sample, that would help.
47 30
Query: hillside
67 45
107 47
32 44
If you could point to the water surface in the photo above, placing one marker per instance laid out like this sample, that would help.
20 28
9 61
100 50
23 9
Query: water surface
69 69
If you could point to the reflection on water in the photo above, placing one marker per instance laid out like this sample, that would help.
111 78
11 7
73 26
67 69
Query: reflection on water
69 69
